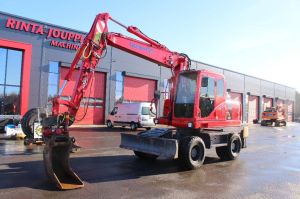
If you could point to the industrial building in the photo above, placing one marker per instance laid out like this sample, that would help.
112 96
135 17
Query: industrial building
35 56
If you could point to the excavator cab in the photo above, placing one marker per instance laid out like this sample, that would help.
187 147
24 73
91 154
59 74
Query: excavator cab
199 98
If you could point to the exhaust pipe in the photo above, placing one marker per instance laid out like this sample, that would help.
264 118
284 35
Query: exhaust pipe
56 157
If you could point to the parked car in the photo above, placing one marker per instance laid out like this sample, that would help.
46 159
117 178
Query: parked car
134 115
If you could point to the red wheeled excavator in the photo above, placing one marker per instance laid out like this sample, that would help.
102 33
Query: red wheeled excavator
197 107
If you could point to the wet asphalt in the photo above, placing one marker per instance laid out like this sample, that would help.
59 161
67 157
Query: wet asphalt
268 168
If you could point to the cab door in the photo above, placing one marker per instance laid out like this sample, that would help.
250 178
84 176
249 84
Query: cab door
207 97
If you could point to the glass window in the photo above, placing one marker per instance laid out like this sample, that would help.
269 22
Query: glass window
3 53
207 95
185 95
166 89
14 67
10 81
12 100
53 67
53 79
119 87
119 76
207 87
145 111
1 100
114 111
220 88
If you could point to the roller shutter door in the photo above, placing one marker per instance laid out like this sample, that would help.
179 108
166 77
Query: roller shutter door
280 103
290 107
252 108
236 96
94 97
268 103
138 89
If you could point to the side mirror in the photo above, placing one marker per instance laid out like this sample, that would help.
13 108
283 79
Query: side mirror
112 113
157 94
228 90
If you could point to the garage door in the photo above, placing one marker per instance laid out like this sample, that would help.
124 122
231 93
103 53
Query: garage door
268 103
92 107
280 103
138 89
290 107
252 108
236 97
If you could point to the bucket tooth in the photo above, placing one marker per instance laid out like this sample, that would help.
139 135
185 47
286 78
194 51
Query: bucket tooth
57 165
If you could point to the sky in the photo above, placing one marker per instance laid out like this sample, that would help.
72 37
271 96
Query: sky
256 37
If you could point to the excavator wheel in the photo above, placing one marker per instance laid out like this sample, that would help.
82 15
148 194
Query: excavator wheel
28 120
191 152
57 165
232 150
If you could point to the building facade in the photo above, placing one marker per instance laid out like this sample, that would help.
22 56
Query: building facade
35 56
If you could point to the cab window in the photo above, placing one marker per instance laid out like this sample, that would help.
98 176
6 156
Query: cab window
220 88
207 96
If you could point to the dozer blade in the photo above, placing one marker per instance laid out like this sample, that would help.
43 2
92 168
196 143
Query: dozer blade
162 147
56 160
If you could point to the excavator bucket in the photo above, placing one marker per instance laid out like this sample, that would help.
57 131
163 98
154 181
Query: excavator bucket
57 165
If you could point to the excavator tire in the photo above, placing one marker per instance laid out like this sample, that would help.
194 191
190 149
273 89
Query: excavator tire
28 120
191 152
232 150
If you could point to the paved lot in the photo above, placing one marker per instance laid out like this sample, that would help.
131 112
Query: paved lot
268 168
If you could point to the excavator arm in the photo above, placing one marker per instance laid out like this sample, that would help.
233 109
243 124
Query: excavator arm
55 127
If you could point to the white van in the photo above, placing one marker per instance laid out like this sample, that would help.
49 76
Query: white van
134 115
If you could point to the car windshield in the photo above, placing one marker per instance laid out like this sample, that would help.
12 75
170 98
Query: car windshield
185 95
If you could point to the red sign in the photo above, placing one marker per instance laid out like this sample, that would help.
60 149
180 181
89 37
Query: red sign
51 33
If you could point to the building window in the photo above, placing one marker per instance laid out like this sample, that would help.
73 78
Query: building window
119 87
10 81
166 88
53 79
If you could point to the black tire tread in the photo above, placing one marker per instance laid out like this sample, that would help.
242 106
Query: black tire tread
184 151
224 152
